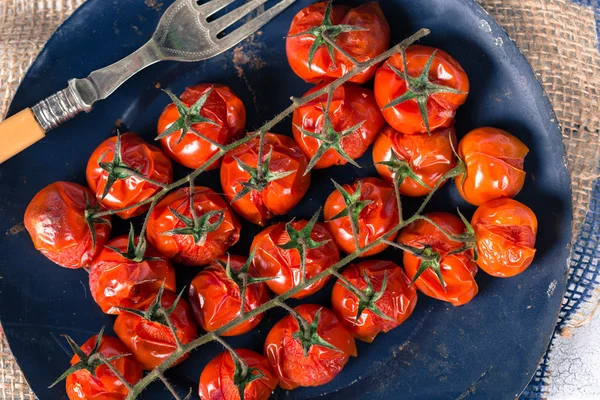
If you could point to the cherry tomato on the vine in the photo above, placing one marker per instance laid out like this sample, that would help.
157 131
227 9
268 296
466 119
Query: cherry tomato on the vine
209 110
119 181
396 301
350 125
193 239
436 90
286 353
505 231
494 160
216 298
457 270
362 32
61 224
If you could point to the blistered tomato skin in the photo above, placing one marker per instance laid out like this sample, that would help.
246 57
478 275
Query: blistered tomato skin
184 248
362 45
428 156
458 270
441 107
222 107
284 265
81 385
151 343
55 220
506 232
147 159
494 159
397 302
216 299
217 378
351 105
286 355
117 282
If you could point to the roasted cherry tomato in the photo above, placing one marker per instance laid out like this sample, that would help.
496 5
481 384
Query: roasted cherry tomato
397 300
113 181
193 240
217 379
457 270
283 264
429 157
505 231
149 339
494 160
221 117
59 226
376 219
81 385
216 299
443 88
351 124
275 187
116 281
369 38
286 353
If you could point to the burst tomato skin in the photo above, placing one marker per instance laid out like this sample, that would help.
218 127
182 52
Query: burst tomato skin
362 45
216 300
222 106
272 261
183 248
350 106
429 156
398 301
152 343
286 356
506 232
279 196
216 380
116 281
494 159
458 270
55 220
81 385
375 220
148 159
441 107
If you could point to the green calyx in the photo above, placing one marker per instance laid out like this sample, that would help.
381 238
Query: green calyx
156 312
116 169
135 252
307 334
402 170
368 297
354 205
243 375
91 219
429 259
468 238
326 29
420 88
242 277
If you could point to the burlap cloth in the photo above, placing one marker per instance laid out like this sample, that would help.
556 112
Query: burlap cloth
559 37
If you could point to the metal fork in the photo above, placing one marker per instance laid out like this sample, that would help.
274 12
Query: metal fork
183 34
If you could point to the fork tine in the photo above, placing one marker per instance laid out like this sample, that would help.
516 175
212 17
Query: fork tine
235 15
213 6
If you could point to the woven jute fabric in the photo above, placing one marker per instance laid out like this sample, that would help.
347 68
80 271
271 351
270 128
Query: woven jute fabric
559 38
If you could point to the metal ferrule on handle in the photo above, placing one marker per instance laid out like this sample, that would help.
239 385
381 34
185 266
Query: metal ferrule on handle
59 108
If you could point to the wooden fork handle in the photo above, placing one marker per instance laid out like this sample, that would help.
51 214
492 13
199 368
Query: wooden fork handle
18 133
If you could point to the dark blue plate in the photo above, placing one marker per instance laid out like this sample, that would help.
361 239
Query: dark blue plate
486 349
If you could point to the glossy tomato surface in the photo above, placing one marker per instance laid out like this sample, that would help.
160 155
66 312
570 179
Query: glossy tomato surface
222 107
286 355
55 220
505 231
372 40
117 282
398 300
441 107
217 379
146 158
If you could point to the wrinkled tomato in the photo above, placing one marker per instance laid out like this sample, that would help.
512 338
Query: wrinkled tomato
505 231
494 159
370 38
193 241
397 301
56 221
148 160
217 379
226 119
